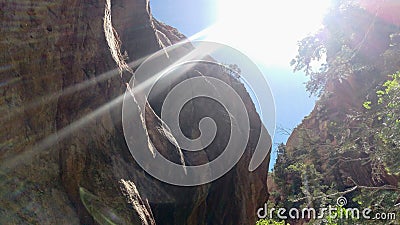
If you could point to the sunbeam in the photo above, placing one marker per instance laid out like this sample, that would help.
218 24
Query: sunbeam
27 155
61 134
10 114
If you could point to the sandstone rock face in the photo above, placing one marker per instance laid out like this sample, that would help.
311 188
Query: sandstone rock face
63 152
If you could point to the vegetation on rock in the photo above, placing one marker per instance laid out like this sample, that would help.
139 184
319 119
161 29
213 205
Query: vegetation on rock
349 145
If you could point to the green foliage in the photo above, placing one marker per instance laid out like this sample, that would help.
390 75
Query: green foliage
311 172
383 124
367 104
304 182
382 201
341 216
339 46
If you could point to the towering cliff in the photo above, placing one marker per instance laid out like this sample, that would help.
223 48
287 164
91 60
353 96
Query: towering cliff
63 155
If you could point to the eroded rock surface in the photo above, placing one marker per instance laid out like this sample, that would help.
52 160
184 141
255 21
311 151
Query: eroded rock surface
61 123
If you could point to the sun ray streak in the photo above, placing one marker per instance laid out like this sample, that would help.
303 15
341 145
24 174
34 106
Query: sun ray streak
9 114
54 138
51 140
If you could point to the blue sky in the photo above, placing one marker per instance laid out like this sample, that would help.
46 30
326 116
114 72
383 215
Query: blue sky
189 16
272 53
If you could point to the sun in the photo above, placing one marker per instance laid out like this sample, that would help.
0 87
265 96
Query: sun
267 31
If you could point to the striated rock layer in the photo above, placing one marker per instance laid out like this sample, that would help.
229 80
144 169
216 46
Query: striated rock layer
63 154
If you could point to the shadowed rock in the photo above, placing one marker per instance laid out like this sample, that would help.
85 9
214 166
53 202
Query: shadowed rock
61 123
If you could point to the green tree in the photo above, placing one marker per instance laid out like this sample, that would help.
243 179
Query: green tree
354 43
